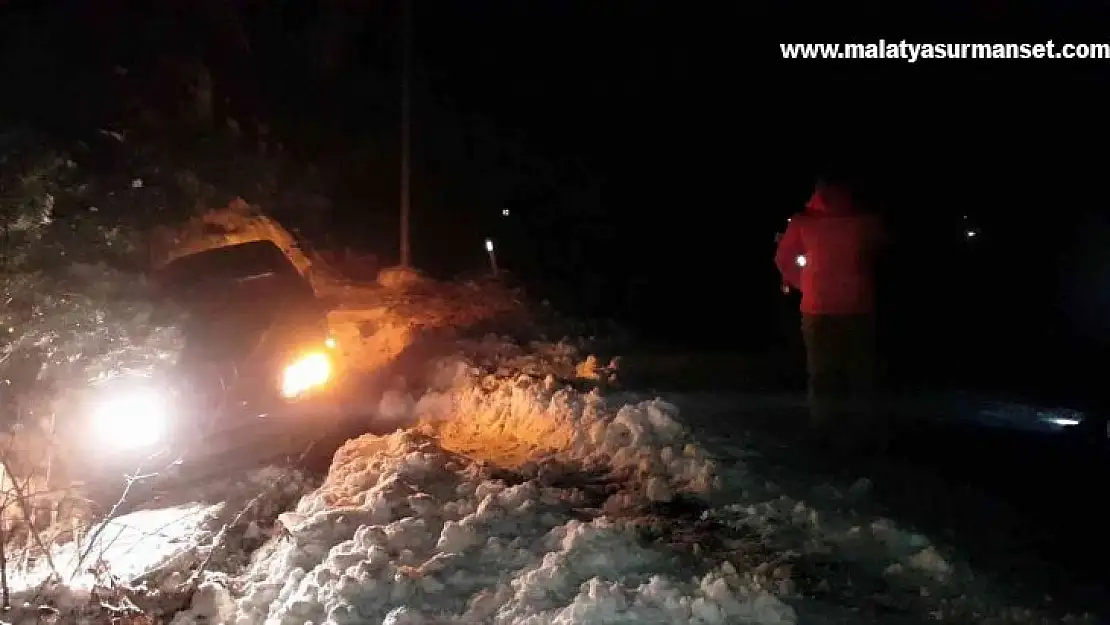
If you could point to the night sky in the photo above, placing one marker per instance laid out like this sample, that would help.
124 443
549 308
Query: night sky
649 151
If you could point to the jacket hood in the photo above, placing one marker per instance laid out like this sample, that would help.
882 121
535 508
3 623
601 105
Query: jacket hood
830 200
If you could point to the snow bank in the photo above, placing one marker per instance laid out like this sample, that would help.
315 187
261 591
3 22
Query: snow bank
400 277
526 497
521 420
376 327
238 222
403 531
520 501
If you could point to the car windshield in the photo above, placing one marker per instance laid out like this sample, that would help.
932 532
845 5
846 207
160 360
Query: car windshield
232 264
233 294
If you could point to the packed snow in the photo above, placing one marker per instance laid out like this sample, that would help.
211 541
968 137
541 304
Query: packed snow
528 498
218 523
404 530
526 493
131 544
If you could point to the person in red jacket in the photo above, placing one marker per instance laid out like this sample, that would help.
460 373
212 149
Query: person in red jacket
828 253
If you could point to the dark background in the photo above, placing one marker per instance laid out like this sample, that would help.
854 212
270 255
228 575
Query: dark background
648 153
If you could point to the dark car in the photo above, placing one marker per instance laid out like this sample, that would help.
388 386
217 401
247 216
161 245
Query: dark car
251 315
252 380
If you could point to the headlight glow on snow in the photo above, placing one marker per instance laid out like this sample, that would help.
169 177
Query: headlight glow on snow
305 374
131 419
800 260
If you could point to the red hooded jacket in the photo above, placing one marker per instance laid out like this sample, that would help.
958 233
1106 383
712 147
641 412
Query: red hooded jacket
838 245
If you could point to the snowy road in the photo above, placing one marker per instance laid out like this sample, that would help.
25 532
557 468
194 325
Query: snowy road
522 500
1021 502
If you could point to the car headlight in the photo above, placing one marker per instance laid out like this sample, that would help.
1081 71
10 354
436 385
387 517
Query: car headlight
306 373
129 419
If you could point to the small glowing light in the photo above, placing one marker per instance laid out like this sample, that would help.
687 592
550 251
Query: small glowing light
307 373
800 260
330 342
489 245
504 212
1063 421
971 234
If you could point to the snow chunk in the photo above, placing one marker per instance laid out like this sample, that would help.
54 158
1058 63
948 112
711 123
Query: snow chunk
403 531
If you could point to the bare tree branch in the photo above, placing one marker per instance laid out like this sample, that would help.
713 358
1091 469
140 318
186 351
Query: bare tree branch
28 513
112 514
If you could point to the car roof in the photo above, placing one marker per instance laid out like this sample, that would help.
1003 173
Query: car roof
230 262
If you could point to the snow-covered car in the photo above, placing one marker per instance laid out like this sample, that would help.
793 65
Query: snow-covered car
255 373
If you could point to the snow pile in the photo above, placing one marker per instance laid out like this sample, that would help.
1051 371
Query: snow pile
517 421
238 222
399 277
520 501
371 338
403 531
402 327
526 497
505 359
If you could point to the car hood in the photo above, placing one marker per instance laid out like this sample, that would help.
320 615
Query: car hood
227 333
230 323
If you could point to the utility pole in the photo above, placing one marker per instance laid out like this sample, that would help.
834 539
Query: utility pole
406 103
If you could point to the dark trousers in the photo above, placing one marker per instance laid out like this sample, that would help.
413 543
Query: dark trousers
842 365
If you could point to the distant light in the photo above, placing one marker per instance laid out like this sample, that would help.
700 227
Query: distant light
800 260
972 234
489 245
1063 421
504 212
